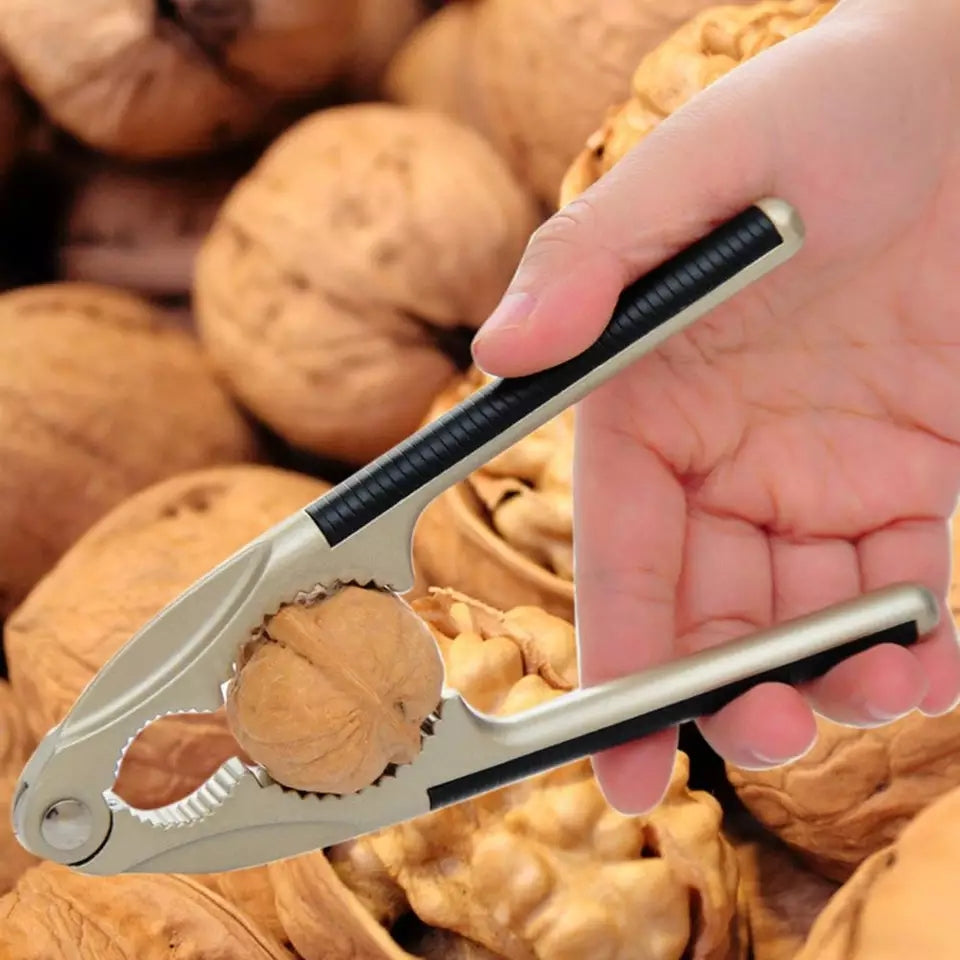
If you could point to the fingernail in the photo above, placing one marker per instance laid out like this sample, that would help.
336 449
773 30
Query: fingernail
509 314
883 716
757 760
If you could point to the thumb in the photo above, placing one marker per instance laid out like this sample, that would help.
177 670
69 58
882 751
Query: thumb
698 168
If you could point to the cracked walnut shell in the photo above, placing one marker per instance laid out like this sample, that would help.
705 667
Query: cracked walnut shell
341 272
505 534
336 690
54 913
855 790
100 395
901 901
133 562
545 868
145 79
700 52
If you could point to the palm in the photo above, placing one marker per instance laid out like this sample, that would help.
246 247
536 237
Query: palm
797 447
802 443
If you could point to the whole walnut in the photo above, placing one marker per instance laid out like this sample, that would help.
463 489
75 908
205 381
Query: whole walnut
140 229
505 534
545 868
16 744
901 901
336 690
119 575
337 270
148 80
705 48
54 913
100 396
434 69
538 77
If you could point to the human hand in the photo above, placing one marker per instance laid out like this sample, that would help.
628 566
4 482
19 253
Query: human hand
801 444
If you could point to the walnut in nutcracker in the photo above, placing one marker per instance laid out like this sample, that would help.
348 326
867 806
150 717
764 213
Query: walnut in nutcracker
705 48
342 272
543 868
133 562
901 901
54 913
535 78
150 79
100 395
336 689
505 534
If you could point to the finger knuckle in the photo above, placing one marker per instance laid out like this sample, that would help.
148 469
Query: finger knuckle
568 227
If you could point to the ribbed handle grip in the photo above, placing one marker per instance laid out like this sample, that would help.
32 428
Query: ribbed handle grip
504 411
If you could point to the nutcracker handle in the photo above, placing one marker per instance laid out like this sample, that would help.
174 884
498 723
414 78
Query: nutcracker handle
650 310
593 719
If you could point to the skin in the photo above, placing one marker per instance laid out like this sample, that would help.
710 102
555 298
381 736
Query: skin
800 444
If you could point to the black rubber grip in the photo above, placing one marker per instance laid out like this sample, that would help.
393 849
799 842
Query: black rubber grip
642 307
801 671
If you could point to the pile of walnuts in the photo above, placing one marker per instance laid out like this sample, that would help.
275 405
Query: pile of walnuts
251 241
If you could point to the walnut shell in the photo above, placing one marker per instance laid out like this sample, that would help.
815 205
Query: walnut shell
544 868
505 534
520 83
322 918
361 871
16 743
434 69
901 901
16 740
99 396
251 891
120 574
855 790
141 229
146 80
55 913
364 236
336 691
705 48
782 898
